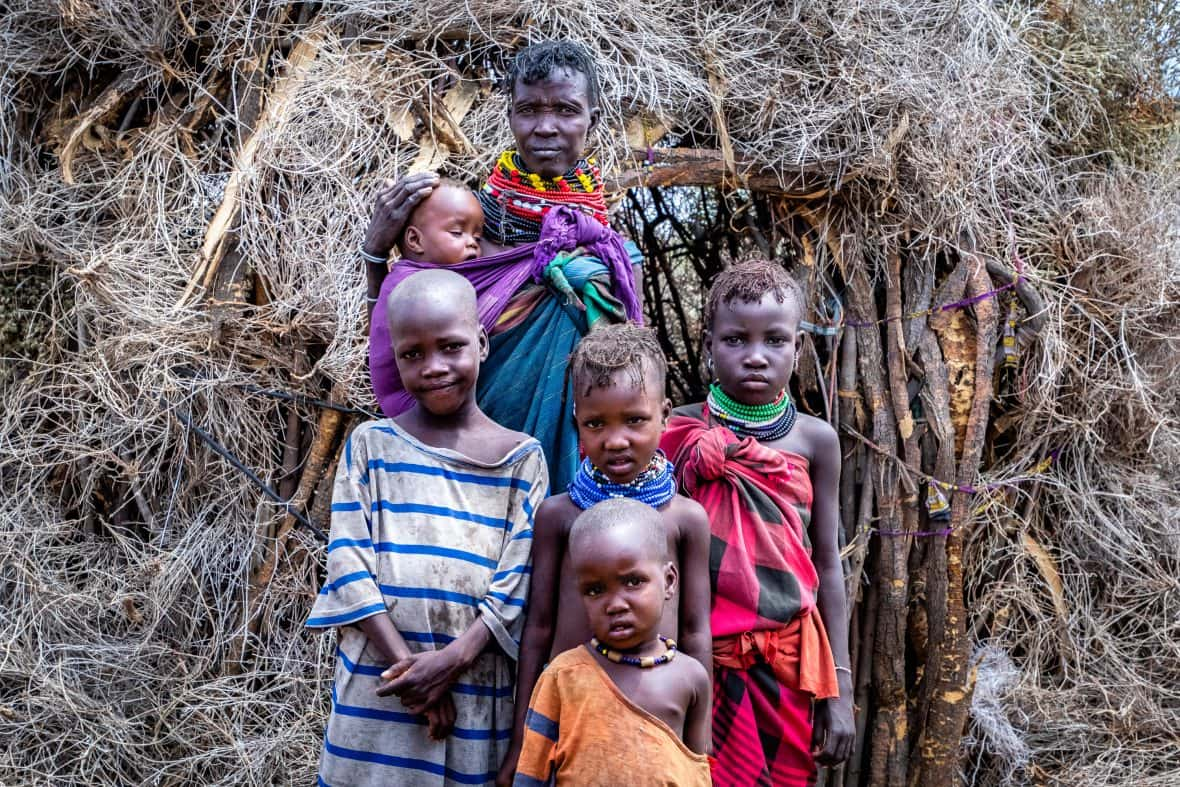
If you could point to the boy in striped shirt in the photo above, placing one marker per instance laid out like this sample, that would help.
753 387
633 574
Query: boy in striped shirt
428 562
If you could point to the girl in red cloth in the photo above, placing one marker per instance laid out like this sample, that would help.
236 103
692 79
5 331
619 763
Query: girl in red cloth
768 477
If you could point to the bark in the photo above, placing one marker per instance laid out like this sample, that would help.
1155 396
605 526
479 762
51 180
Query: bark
950 700
889 752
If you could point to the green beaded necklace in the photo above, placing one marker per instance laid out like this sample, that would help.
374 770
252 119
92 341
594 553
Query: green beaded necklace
751 413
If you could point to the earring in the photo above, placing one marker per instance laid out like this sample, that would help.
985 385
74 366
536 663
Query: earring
709 368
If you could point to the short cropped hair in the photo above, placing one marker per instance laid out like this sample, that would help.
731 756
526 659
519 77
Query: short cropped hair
620 512
443 183
621 347
537 61
749 281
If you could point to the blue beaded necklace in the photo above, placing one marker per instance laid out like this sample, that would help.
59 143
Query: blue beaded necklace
655 486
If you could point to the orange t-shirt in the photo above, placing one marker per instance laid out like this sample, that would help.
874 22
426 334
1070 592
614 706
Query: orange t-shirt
583 731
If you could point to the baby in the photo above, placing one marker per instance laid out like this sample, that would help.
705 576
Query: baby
445 227
622 708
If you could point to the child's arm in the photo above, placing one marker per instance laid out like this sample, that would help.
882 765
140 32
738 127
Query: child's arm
351 594
833 730
537 640
695 592
542 725
698 720
422 680
388 640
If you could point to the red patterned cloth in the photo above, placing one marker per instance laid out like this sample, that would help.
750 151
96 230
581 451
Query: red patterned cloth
771 655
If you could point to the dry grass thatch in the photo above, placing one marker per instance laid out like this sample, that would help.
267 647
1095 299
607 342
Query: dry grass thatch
188 181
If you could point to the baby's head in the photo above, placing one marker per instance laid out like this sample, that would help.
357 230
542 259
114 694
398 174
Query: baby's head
620 409
752 336
444 228
437 340
619 555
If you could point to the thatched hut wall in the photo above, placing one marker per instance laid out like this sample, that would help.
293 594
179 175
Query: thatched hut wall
188 182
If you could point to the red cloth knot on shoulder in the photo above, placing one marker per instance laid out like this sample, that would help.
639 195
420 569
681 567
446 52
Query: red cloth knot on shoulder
716 449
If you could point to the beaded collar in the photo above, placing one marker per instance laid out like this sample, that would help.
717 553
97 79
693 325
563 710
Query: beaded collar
515 200
655 486
644 662
764 422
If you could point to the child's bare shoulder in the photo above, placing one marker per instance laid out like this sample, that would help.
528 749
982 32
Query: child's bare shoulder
692 672
501 440
815 437
687 516
558 512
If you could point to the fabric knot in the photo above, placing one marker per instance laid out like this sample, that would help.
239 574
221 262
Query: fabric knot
706 461
564 229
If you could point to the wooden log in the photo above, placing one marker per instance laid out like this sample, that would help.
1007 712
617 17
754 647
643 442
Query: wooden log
321 503
889 751
863 661
950 700
940 430
288 481
706 167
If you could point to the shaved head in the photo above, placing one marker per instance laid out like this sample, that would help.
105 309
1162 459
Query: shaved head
431 291
643 522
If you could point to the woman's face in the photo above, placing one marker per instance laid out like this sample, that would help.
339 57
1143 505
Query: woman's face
550 120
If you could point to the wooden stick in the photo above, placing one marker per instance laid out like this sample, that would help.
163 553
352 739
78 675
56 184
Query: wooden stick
889 752
317 461
951 698
864 672
213 247
288 482
126 87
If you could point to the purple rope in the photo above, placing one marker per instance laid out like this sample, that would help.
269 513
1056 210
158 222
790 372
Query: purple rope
946 307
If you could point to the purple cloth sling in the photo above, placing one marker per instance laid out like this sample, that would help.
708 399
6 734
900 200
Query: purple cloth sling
496 279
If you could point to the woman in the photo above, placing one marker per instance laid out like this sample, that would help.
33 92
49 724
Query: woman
542 203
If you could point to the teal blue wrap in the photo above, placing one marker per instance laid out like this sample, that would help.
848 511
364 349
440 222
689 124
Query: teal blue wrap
523 385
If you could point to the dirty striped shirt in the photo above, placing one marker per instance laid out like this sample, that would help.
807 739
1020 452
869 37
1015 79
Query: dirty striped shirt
435 540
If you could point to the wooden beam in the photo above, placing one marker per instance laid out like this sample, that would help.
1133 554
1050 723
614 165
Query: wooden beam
213 249
707 167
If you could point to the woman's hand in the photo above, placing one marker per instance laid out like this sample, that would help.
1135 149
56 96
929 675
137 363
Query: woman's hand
421 680
392 207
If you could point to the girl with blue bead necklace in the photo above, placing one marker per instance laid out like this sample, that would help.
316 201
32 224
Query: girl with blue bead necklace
768 476
620 411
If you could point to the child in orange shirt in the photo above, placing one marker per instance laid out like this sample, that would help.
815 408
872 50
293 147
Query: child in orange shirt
622 708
